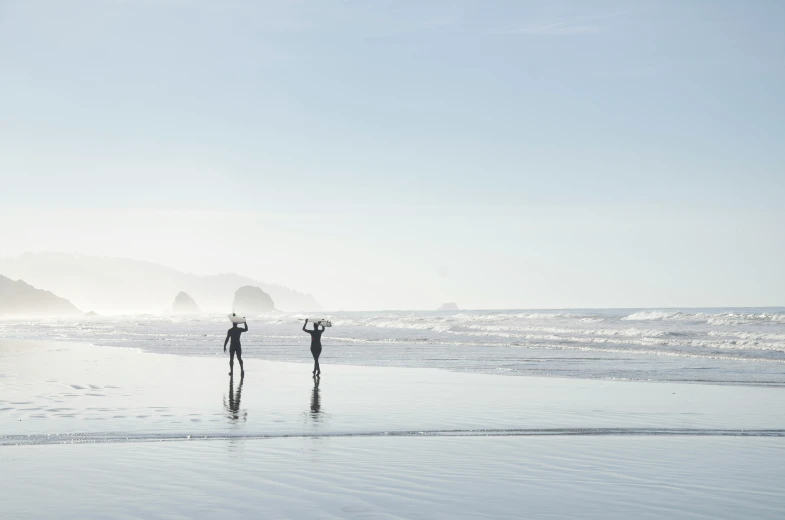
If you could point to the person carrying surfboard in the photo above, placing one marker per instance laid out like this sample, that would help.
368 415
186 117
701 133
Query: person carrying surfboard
316 345
235 347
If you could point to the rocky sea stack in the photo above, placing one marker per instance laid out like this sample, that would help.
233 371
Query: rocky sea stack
252 300
184 304
18 298
448 307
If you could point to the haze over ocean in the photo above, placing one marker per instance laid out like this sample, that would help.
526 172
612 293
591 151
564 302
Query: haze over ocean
399 155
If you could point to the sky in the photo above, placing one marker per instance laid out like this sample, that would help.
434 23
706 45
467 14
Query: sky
403 154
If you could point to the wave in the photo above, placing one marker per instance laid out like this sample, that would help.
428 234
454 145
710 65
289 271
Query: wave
724 318
731 344
127 437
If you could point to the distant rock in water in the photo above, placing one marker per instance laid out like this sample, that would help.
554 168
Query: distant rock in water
448 307
252 300
90 314
184 304
118 285
18 298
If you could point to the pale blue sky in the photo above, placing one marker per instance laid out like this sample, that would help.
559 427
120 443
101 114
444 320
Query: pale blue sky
585 153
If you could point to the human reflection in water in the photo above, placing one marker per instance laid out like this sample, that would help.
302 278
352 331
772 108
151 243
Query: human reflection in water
232 406
315 405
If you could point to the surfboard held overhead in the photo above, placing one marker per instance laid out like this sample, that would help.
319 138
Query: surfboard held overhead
234 318
320 321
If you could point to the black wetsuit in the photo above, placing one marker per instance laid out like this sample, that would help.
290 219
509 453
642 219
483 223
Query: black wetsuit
234 336
316 346
235 348
316 342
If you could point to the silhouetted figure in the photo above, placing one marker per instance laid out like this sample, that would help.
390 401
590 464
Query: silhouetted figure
316 345
315 405
233 406
235 348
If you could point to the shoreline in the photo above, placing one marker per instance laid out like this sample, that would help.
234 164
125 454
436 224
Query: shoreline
498 372
125 438
55 389
733 348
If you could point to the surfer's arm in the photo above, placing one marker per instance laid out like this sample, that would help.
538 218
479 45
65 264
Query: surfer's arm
304 324
246 326
226 340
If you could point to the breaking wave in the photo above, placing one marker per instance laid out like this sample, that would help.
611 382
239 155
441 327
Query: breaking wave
717 345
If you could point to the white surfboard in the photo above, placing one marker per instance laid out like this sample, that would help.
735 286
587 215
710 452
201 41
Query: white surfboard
321 321
234 318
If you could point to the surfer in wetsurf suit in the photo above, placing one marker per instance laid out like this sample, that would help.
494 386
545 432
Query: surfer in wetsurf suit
316 345
235 348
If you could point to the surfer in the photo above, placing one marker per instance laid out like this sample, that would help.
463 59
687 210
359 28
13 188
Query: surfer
316 345
234 347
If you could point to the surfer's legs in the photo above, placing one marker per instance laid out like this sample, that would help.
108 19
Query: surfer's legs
316 352
231 361
240 360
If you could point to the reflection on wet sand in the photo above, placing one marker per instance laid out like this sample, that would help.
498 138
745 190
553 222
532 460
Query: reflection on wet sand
315 404
232 405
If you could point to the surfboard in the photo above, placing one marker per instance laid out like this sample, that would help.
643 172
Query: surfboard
234 318
321 321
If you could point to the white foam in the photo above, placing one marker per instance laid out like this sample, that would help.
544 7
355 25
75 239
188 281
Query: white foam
543 341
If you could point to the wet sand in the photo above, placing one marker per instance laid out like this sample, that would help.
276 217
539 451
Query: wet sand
82 429
499 477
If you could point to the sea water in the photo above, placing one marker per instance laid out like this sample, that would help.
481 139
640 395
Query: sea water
725 346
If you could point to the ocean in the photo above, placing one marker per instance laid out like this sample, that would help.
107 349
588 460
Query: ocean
722 346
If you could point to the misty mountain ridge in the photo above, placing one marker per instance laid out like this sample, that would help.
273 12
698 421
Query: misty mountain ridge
107 284
18 298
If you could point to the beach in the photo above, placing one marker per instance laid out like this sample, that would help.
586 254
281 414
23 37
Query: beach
105 432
